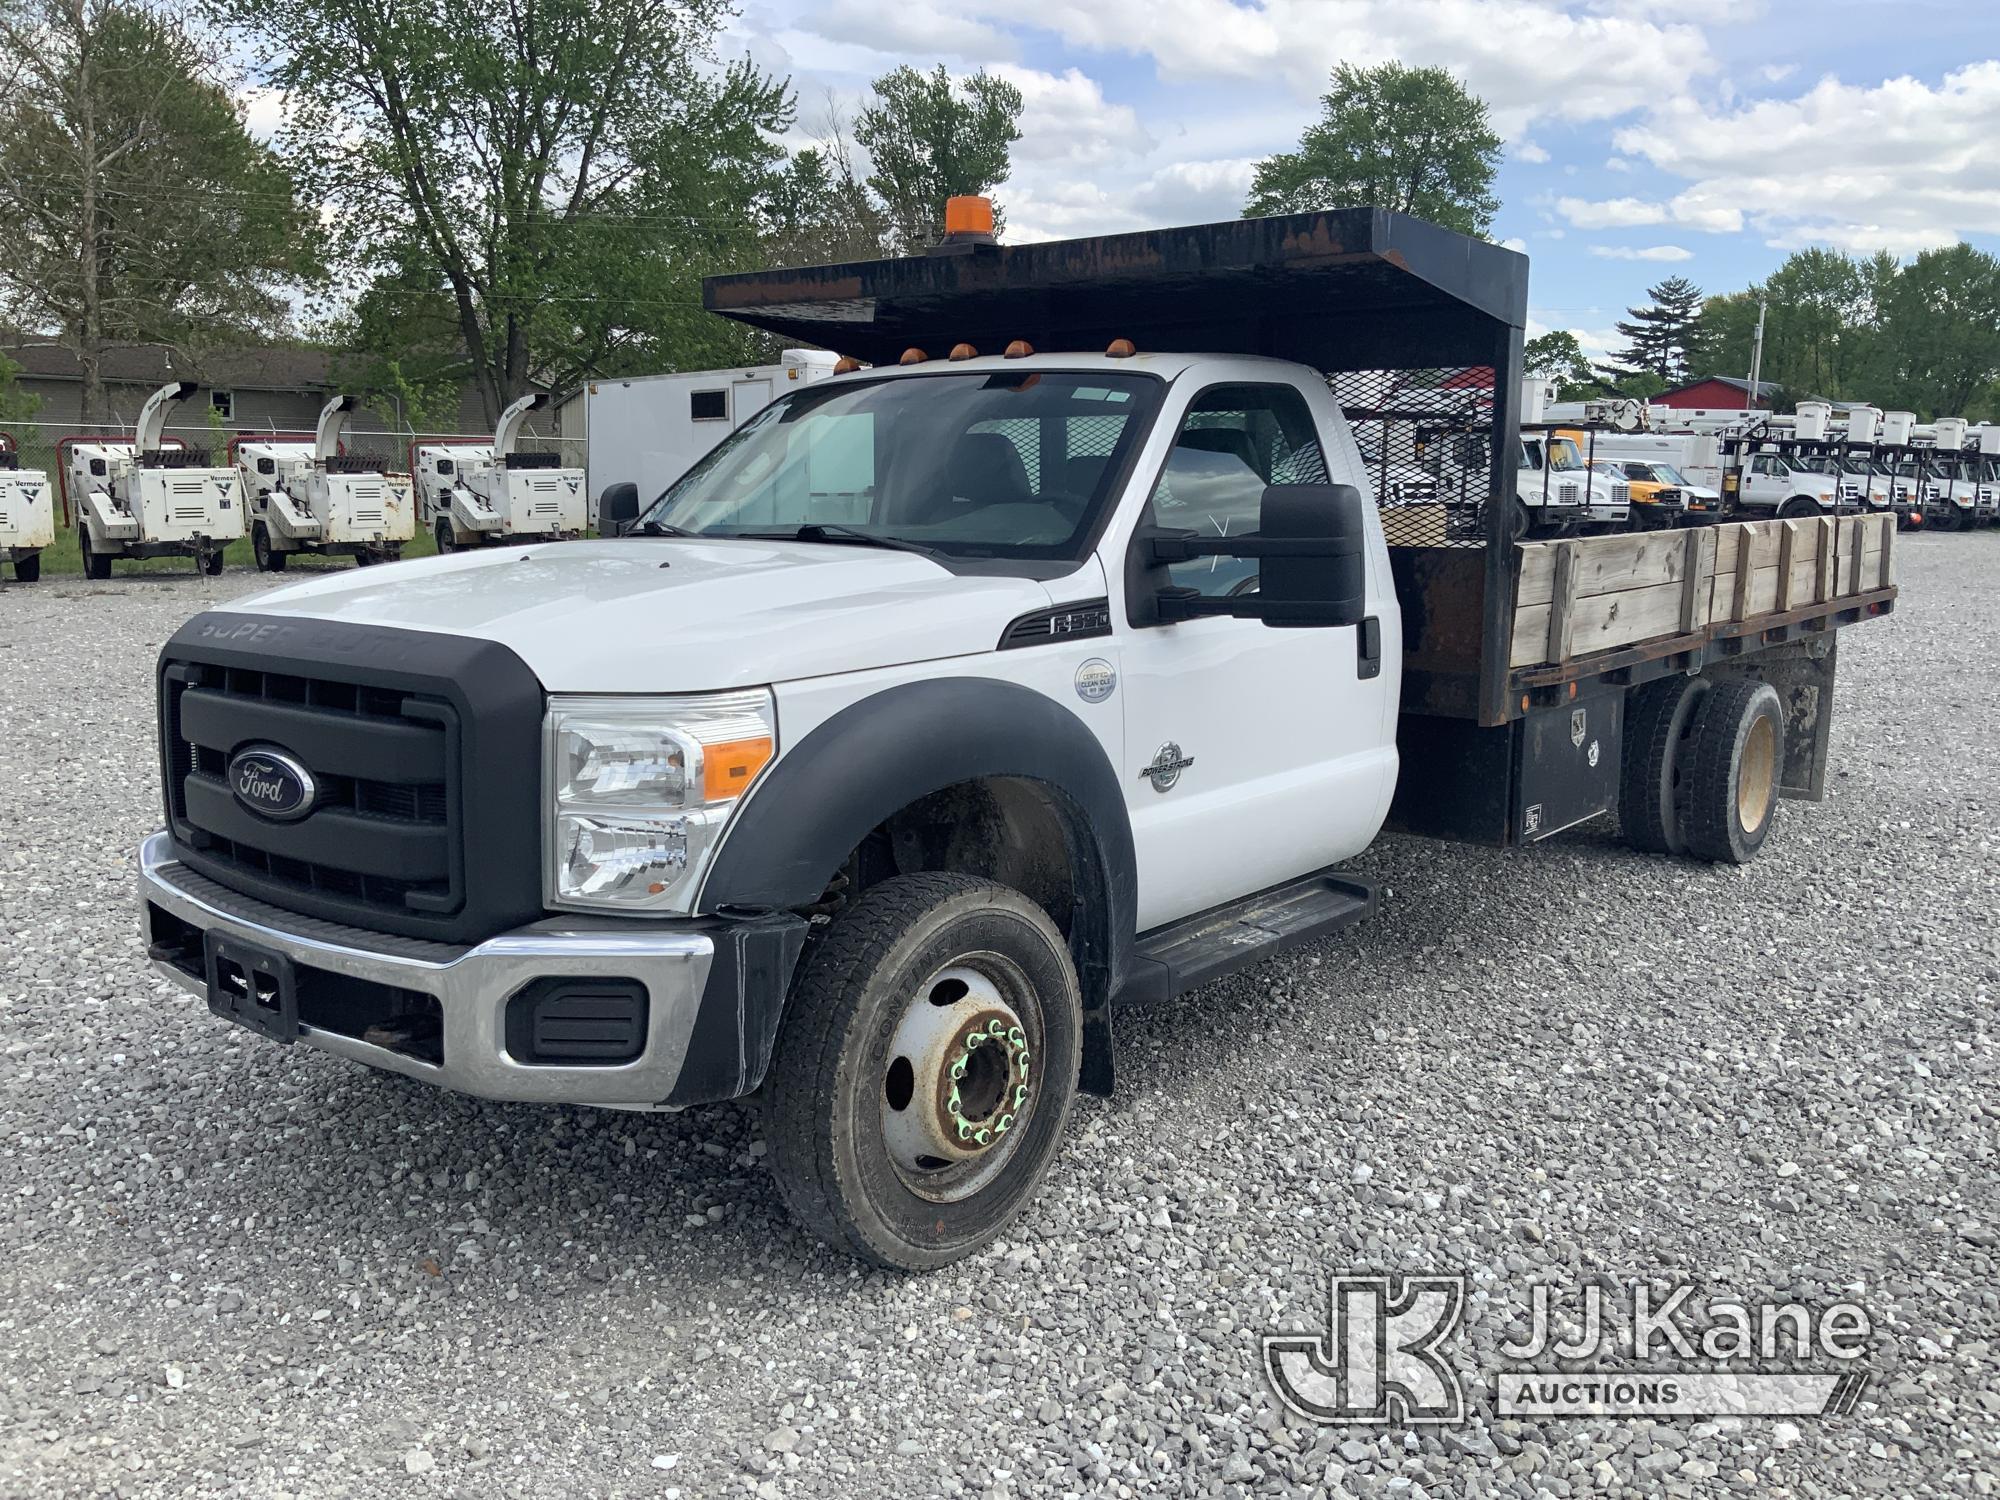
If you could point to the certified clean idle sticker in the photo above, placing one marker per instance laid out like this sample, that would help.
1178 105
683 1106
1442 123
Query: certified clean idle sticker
1096 680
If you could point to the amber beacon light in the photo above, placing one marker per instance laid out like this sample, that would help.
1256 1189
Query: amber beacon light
968 217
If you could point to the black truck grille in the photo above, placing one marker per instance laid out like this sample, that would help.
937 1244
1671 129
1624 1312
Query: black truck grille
380 834
426 753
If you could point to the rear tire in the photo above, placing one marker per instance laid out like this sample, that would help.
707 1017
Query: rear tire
94 565
268 558
211 563
28 569
863 1114
1733 765
1656 739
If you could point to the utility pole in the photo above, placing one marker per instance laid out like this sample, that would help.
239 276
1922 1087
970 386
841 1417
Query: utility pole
1757 354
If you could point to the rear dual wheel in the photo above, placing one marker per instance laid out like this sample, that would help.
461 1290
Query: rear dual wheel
1703 766
924 1070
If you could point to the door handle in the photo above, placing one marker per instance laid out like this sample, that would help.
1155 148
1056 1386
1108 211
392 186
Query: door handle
1369 640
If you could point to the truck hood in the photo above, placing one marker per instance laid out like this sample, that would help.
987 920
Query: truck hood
675 615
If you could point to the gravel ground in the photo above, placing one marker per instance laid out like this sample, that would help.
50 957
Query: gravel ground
234 1269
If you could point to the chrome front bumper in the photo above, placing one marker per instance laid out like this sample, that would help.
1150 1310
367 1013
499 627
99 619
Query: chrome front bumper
471 985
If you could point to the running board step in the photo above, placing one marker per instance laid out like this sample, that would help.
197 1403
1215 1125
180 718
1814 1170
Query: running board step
1170 960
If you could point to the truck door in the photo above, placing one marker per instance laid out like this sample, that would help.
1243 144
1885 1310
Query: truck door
1254 754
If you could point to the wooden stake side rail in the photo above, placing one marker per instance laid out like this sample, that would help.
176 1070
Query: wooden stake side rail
1587 595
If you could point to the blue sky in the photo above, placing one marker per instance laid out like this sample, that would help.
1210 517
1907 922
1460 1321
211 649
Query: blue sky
1701 137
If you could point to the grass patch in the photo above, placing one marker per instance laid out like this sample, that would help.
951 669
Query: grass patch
65 558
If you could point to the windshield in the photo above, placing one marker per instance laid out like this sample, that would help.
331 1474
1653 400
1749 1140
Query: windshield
1564 454
975 465
1668 474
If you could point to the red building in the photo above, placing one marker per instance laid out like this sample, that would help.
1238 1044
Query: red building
1724 392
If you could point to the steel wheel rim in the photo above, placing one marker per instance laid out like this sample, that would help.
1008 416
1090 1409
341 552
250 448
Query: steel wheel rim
1756 774
958 1082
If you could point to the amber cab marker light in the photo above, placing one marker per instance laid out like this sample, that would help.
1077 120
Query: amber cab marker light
913 356
1020 349
968 216
847 364
964 351
1120 349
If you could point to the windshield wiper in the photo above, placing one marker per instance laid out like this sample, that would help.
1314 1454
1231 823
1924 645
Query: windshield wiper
657 528
830 531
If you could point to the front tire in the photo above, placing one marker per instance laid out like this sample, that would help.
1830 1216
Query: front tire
1734 762
95 565
445 543
924 1070
268 558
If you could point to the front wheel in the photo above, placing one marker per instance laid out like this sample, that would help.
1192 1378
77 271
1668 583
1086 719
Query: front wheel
444 539
95 564
268 558
1798 508
924 1070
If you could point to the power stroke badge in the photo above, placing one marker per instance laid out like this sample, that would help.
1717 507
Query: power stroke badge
1166 767
272 784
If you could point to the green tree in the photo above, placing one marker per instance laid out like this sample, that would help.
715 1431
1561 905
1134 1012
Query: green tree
1410 139
1659 336
818 211
558 175
136 207
1941 326
1559 354
929 139
16 405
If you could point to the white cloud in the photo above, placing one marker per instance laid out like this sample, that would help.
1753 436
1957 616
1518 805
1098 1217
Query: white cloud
1514 242
1528 151
935 31
1066 118
1695 209
262 110
1611 213
1528 59
1617 164
1904 165
1777 72
1642 252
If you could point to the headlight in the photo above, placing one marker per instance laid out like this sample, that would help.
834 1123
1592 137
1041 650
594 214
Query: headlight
638 790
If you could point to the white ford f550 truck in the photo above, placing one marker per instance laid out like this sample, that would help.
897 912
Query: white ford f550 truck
950 703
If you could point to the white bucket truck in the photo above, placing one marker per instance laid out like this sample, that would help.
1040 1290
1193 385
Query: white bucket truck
1555 489
148 496
27 513
312 498
955 703
648 430
470 494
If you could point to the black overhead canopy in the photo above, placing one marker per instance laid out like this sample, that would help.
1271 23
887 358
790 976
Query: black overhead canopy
1346 289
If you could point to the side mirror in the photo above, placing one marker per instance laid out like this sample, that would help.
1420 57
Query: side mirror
617 508
1325 581
1311 544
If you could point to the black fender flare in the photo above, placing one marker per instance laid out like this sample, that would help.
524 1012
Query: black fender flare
876 757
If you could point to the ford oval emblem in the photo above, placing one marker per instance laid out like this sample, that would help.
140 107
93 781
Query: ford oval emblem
272 784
